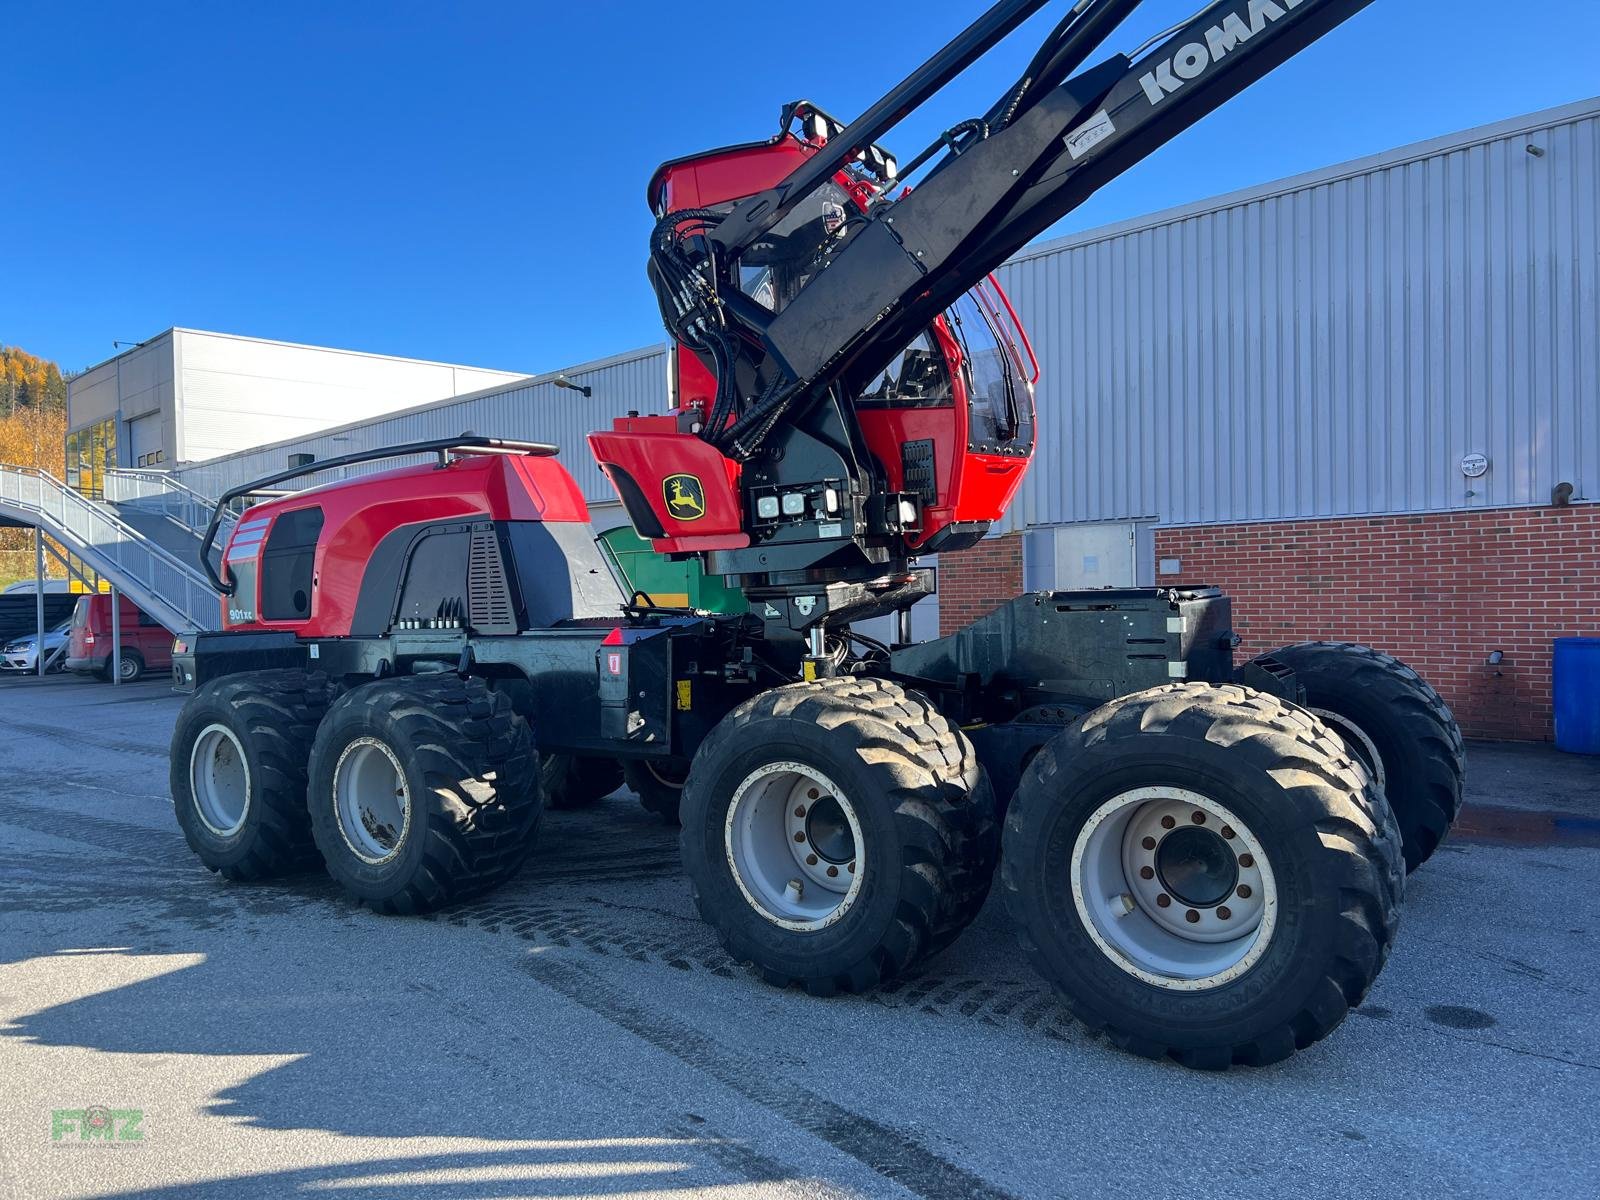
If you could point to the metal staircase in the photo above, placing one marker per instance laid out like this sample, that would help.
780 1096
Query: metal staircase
159 494
158 581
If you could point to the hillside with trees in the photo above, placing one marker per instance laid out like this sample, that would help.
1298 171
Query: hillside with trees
33 427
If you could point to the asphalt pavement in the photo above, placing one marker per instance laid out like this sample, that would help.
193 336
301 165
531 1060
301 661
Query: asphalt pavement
580 1033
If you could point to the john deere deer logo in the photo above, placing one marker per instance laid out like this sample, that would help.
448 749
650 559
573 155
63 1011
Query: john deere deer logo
686 499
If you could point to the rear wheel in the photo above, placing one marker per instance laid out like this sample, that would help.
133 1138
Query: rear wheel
238 771
423 790
129 667
573 781
1203 874
829 832
659 785
1397 726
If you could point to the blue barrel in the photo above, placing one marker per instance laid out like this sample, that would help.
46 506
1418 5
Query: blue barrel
1576 688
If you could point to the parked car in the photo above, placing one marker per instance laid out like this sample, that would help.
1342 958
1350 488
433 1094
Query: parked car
146 645
22 654
28 587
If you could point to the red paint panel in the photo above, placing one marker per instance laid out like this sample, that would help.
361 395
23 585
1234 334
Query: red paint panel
359 513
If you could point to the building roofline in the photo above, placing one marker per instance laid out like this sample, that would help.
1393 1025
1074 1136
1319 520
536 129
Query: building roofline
244 337
1461 140
599 364
137 346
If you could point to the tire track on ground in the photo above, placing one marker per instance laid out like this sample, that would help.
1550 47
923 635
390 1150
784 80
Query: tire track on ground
593 925
893 1153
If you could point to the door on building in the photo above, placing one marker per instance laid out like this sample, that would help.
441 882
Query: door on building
144 441
1102 554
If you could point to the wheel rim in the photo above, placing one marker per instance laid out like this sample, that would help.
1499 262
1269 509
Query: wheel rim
1356 741
219 778
795 846
128 668
371 800
1174 888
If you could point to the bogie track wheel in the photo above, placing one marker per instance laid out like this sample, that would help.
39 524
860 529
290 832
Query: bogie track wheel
238 771
1397 726
1203 874
833 832
658 784
423 790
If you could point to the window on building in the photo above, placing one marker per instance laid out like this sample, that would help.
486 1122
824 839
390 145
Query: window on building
91 452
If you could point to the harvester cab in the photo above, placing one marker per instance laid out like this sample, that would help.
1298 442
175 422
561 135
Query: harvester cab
823 525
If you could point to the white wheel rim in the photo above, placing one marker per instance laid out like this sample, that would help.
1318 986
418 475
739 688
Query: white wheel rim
1355 738
371 800
127 666
219 777
1156 906
795 846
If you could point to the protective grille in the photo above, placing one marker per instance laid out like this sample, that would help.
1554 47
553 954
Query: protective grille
916 464
488 594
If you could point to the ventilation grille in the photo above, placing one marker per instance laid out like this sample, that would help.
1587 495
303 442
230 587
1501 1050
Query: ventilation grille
916 464
488 594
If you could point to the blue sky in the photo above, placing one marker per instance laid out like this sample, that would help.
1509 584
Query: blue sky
466 182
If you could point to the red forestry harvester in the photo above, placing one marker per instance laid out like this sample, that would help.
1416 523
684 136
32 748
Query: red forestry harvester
1205 858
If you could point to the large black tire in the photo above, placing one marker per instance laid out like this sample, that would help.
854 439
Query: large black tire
659 786
272 717
1326 833
467 783
1421 760
573 781
923 803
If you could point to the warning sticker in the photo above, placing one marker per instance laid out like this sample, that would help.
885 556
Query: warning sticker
1089 135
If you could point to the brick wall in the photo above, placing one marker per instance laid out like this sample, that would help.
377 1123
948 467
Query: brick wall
977 581
1439 591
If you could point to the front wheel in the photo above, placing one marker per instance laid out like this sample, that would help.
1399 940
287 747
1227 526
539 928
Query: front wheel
423 790
835 832
1203 874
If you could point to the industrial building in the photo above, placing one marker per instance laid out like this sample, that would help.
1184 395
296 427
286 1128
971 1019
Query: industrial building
1365 401
187 395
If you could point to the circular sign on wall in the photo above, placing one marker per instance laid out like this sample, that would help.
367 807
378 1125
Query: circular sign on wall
1474 466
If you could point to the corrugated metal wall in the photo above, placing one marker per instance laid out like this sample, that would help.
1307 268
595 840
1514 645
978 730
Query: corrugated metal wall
1330 345
533 411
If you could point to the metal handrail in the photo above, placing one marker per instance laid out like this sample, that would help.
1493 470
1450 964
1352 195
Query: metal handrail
170 590
176 501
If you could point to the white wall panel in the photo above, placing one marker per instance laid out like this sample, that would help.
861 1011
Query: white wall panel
534 410
237 392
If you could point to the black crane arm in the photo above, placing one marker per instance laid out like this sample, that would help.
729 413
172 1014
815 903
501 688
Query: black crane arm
1045 146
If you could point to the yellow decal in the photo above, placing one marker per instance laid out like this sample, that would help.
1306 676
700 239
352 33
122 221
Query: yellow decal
686 499
808 670
684 699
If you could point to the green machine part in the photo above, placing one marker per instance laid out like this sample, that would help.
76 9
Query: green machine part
669 584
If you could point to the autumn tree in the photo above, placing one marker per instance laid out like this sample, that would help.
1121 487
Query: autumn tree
27 381
33 428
